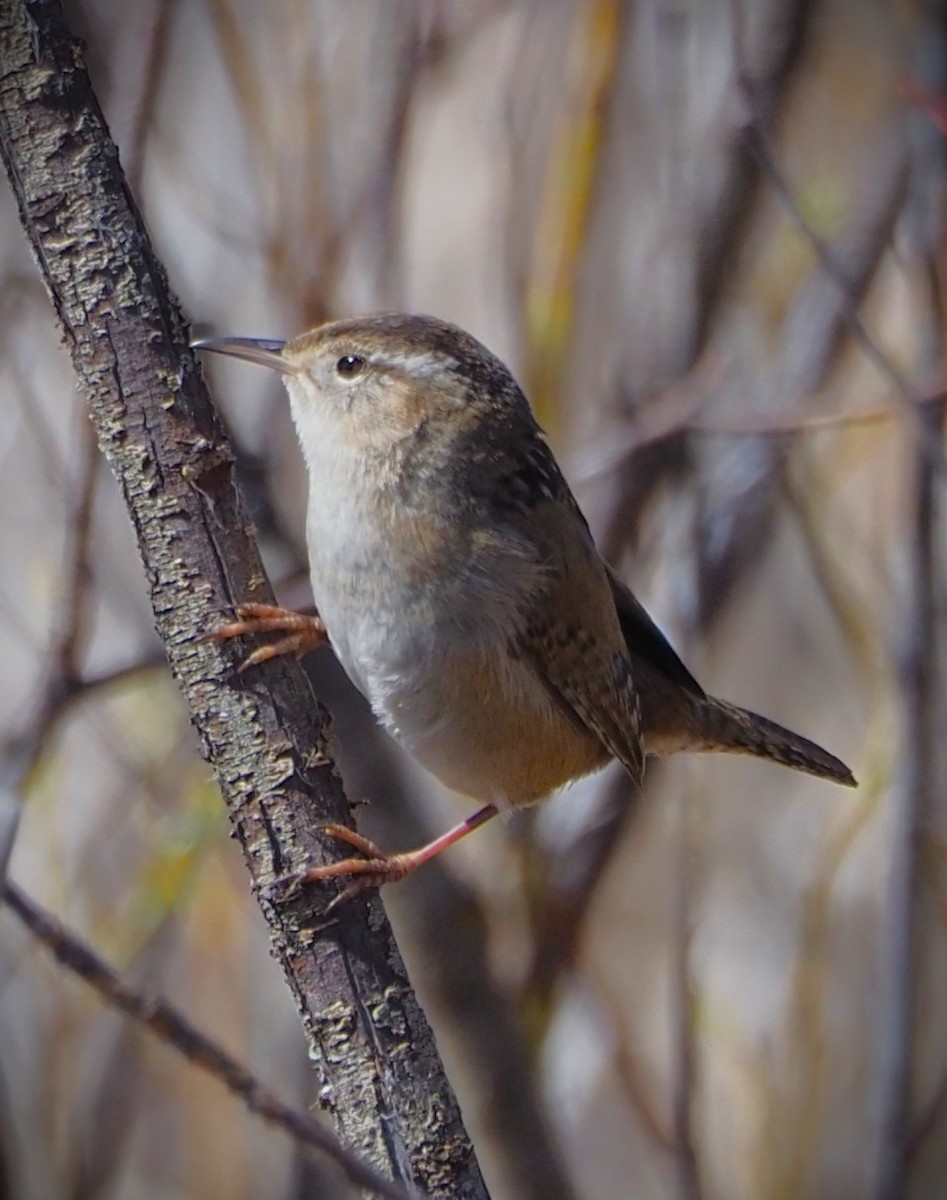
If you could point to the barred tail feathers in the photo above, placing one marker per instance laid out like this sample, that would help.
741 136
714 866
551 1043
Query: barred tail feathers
730 728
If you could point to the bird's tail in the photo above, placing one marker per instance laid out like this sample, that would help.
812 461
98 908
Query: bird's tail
729 728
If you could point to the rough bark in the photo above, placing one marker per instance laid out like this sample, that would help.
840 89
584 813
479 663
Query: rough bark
381 1079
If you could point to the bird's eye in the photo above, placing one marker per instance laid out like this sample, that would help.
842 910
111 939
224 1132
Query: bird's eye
350 365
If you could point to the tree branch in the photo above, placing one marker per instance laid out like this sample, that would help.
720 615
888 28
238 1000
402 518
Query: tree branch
380 1075
176 1031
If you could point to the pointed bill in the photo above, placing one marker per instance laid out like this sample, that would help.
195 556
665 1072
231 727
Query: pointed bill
265 352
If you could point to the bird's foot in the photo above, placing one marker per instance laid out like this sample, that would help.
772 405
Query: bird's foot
370 870
302 633
374 868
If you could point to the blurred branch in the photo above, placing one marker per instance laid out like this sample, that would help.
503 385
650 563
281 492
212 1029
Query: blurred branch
924 776
304 209
158 41
826 309
921 790
482 1037
735 526
74 604
804 1085
20 753
494 1057
926 1122
813 336
177 1032
722 219
659 443
679 413
628 1069
850 289
567 200
807 490
381 1078
565 880
786 25
687 869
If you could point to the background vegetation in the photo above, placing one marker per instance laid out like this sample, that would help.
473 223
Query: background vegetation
708 238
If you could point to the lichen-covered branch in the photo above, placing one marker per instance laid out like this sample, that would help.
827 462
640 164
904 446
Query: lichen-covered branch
381 1079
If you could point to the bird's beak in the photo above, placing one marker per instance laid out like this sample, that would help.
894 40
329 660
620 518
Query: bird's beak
266 352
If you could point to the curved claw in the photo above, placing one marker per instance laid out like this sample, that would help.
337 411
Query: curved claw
303 633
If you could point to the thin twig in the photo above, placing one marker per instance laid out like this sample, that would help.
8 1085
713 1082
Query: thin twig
760 146
147 99
601 460
69 626
20 753
687 868
177 1032
626 1064
561 907
925 1124
921 690
725 221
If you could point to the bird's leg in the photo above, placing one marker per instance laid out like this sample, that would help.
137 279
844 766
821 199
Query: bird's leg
303 633
374 867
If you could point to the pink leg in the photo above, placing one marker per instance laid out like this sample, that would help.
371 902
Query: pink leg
375 867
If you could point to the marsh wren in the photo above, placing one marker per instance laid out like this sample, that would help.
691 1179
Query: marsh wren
459 585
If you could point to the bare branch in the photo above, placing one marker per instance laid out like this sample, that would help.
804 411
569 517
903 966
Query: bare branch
685 1000
177 1032
848 292
21 752
783 42
679 412
381 1078
923 775
158 39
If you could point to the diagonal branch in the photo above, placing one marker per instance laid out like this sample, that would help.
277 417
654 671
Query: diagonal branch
380 1076
176 1031
848 290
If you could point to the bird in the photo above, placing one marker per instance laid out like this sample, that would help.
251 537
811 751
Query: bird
459 585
